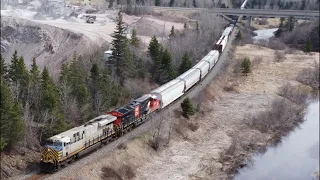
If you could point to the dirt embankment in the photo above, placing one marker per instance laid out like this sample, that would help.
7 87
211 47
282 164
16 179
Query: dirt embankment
216 141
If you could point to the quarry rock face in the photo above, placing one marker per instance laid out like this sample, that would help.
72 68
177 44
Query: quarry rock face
49 45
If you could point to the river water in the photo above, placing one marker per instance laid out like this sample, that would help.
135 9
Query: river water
296 158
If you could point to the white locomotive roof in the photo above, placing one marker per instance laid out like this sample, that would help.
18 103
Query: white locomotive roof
100 120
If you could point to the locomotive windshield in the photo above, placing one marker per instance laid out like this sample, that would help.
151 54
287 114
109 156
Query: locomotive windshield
50 142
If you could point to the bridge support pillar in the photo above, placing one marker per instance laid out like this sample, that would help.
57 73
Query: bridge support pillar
249 19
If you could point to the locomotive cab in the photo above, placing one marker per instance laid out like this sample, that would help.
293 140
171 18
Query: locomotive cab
50 155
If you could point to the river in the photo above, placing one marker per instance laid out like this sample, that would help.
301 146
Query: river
297 157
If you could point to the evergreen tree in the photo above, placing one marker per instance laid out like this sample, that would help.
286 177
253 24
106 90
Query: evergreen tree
167 71
187 108
110 3
246 66
49 93
64 73
77 81
17 126
290 23
3 143
34 72
157 2
13 67
171 3
197 26
11 123
186 63
158 67
19 75
3 67
308 47
194 3
134 39
239 35
153 48
34 94
185 25
172 33
128 70
94 88
118 45
280 29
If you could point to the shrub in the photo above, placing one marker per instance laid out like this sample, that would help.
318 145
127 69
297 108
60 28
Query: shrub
280 119
310 76
246 66
295 94
187 108
279 56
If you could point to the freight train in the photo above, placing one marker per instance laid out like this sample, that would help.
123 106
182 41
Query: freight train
69 145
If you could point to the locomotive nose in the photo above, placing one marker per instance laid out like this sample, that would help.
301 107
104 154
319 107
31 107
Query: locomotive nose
49 155
49 160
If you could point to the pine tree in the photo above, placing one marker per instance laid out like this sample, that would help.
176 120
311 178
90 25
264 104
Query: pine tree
19 75
280 29
34 95
167 71
34 72
194 3
158 66
239 35
64 73
13 67
197 26
153 48
128 69
308 47
94 87
11 123
118 44
17 126
246 66
77 81
187 108
171 3
290 23
3 67
157 2
49 93
134 39
186 63
172 33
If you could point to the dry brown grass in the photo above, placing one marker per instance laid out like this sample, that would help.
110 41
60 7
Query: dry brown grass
125 172
310 76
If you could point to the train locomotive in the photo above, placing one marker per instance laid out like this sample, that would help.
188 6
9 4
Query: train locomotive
69 145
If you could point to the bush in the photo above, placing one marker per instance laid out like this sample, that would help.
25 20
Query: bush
310 76
295 94
280 119
187 108
246 66
279 56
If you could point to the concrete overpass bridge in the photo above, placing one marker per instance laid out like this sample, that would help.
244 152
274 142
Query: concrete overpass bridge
298 14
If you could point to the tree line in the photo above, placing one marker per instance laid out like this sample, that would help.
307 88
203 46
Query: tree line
33 105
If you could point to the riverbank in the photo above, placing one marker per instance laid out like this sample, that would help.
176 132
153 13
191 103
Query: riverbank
301 146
